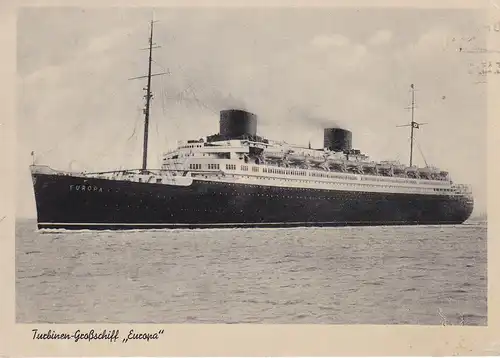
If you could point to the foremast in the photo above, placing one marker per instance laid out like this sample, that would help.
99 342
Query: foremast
148 96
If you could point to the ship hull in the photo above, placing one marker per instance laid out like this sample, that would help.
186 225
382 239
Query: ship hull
69 202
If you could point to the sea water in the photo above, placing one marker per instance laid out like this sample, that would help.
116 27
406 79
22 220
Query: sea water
354 275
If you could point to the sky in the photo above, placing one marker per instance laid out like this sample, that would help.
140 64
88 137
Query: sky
297 69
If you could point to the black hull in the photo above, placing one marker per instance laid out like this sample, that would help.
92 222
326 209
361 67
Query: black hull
67 202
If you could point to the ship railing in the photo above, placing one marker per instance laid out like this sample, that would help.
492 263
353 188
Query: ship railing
131 172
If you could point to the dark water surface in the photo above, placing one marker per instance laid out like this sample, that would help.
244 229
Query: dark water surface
368 275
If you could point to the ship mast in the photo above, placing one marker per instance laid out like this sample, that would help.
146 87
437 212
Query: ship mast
413 125
412 119
148 96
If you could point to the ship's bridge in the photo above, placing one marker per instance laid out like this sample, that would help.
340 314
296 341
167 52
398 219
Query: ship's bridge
189 150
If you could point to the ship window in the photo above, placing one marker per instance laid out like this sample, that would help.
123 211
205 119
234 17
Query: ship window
255 169
158 180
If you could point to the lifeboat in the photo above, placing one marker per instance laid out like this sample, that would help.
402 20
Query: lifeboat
296 157
339 166
412 172
354 167
274 155
429 173
399 169
385 169
369 167
316 160
425 173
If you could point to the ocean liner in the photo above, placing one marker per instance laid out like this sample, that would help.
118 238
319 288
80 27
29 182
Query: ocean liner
237 178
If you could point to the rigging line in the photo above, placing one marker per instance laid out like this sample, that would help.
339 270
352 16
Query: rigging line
158 153
200 103
192 83
134 136
179 97
163 108
163 68
135 125
163 95
67 135
114 142
422 154
65 138
399 154
157 132
181 69
164 111
82 162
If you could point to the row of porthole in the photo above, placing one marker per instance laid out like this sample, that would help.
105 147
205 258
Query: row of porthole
267 195
161 209
284 188
289 197
251 185
139 206
239 193
344 184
